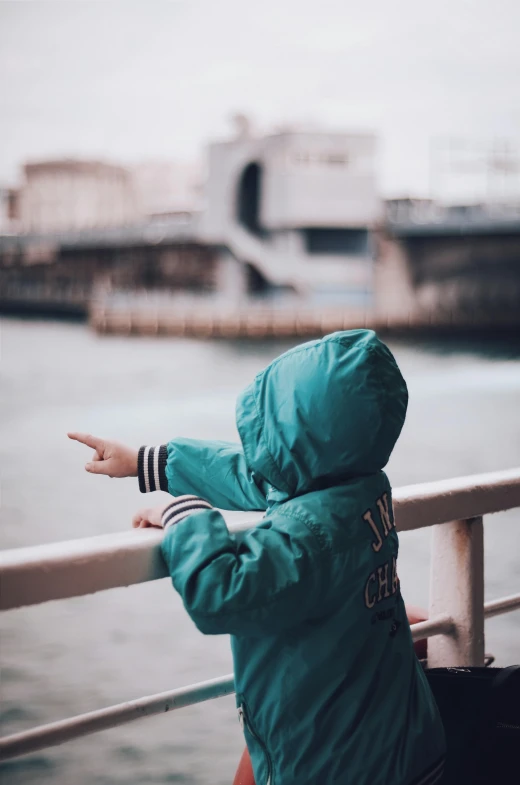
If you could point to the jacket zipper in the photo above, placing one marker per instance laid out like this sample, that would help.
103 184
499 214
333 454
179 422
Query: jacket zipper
242 718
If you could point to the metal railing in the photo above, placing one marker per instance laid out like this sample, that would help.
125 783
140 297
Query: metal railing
29 576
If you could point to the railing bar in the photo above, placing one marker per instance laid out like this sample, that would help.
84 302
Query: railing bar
55 733
441 625
62 731
503 605
29 576
459 498
457 588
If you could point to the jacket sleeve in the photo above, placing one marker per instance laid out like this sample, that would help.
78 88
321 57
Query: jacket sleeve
214 470
263 582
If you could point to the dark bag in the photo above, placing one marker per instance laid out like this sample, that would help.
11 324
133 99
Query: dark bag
480 710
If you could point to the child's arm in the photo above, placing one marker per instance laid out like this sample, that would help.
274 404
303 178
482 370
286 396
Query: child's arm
215 470
266 581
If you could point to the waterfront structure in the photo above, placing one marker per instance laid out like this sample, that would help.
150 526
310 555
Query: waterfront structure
290 236
8 210
65 195
450 263
297 207
167 188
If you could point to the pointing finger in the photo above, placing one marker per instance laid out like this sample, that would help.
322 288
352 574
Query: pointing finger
86 438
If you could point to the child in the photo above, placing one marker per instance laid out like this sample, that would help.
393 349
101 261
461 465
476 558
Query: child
328 687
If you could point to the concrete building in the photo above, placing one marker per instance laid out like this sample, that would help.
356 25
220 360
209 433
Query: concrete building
67 195
167 187
288 222
8 211
297 207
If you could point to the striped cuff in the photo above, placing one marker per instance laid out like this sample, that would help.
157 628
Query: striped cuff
181 507
151 468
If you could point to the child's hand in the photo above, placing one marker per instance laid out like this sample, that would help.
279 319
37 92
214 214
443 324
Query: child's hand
110 458
152 516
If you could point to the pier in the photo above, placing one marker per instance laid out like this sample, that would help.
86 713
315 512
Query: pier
437 274
206 318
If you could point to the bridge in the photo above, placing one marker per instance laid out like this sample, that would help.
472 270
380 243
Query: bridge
463 260
439 262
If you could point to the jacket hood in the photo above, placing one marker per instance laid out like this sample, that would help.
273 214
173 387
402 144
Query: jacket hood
322 413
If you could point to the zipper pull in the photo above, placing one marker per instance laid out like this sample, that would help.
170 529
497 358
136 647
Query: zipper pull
241 717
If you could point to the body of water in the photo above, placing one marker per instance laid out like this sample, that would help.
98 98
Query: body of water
68 657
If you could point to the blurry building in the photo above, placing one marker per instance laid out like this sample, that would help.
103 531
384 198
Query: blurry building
8 210
296 207
67 195
167 187
290 213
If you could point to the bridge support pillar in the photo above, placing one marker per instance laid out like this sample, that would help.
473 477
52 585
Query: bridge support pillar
231 278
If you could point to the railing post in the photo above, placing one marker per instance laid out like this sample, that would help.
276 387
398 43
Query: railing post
457 589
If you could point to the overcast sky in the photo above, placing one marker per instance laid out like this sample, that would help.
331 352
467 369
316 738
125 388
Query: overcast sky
156 79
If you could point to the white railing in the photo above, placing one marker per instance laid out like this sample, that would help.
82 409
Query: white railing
29 576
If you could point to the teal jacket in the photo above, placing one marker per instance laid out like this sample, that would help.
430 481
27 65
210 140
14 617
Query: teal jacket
328 687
